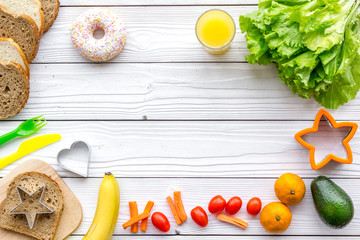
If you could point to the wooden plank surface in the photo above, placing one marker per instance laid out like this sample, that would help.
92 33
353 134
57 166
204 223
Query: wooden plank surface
155 34
198 192
222 149
137 237
164 74
155 2
192 91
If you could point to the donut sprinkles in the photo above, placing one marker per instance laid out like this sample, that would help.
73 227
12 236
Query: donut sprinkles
105 48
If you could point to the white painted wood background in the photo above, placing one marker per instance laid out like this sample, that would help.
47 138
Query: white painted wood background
215 124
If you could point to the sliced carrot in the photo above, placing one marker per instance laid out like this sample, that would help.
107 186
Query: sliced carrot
134 212
136 219
173 210
147 209
232 220
180 206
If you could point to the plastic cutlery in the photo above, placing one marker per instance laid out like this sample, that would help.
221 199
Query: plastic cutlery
25 129
28 147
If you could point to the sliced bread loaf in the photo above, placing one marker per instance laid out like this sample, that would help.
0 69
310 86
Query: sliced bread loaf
45 224
22 29
14 89
10 51
50 9
31 8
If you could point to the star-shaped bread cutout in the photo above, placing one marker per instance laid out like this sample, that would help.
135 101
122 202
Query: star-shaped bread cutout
323 113
31 205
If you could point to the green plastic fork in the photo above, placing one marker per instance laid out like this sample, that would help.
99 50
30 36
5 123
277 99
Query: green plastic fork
25 129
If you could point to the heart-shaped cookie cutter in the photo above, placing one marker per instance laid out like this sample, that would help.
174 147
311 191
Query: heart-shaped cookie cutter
76 159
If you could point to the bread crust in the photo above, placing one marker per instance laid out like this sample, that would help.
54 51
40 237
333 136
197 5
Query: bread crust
42 27
42 19
52 20
26 81
33 26
50 180
22 54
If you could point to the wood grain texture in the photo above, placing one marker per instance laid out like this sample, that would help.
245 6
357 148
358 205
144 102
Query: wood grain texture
164 74
196 91
198 192
72 212
155 2
155 34
135 237
187 149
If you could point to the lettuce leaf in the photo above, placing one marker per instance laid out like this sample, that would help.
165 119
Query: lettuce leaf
315 45
346 81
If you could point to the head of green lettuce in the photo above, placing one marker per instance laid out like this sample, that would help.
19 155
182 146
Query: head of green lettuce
315 45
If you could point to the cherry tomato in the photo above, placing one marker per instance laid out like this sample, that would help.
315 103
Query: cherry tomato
254 206
233 205
160 221
199 216
217 204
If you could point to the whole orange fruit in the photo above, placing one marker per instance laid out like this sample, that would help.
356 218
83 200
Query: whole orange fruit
290 188
275 217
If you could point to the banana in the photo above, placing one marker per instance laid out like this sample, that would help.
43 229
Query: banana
107 210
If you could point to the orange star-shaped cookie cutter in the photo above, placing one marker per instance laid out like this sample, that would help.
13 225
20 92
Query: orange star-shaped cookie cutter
334 124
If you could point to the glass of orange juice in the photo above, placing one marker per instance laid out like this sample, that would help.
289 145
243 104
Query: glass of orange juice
215 30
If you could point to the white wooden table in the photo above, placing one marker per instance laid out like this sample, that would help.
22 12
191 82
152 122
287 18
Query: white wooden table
215 124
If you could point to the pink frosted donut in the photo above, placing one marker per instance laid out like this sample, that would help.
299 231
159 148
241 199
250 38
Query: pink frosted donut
105 48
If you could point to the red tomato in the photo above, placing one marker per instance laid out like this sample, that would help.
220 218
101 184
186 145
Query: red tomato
233 205
199 216
160 221
254 206
217 204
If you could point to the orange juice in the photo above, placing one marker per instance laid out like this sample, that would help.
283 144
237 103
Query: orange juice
215 30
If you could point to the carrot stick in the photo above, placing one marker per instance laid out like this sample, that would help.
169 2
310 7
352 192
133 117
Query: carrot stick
180 206
232 220
173 210
134 213
136 219
147 209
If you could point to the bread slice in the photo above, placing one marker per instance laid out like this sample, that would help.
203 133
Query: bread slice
22 29
45 224
14 89
10 51
50 9
31 8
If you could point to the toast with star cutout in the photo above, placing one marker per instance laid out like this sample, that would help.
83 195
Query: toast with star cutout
45 224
